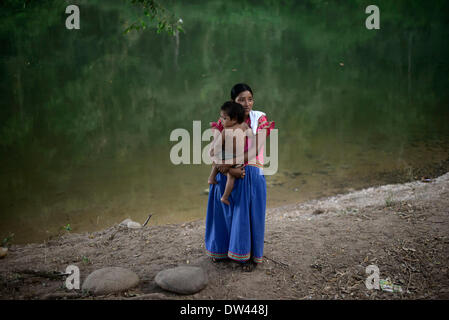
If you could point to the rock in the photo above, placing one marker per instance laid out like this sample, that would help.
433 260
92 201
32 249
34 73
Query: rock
110 280
130 224
133 225
3 252
125 222
182 280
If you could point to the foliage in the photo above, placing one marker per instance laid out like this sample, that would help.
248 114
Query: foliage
165 20
6 242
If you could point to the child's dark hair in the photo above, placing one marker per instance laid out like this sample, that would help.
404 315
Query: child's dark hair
234 110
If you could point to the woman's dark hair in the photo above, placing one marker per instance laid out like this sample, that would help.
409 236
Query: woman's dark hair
238 88
234 110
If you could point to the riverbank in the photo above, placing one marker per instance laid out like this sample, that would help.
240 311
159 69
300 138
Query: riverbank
317 249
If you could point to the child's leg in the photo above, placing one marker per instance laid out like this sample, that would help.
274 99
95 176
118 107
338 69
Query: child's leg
228 189
213 174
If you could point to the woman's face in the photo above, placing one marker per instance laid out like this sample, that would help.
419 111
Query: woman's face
245 98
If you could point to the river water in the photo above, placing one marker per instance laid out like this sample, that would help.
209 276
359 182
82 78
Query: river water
86 115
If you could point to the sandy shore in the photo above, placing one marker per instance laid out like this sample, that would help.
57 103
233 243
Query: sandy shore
318 249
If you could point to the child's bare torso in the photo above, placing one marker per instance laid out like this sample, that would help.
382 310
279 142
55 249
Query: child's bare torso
233 139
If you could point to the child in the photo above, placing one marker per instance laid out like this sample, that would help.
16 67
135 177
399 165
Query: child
232 142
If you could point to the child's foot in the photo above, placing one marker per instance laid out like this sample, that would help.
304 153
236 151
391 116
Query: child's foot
225 200
211 180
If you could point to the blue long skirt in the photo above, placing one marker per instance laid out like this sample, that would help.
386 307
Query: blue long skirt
237 231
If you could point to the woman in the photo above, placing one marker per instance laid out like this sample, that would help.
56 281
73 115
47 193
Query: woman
236 231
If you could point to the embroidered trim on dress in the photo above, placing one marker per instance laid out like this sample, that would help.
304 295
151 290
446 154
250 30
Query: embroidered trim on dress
239 257
216 255
257 164
257 259
234 256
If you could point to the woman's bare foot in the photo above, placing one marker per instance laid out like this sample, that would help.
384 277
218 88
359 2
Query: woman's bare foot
225 200
248 266
239 173
211 180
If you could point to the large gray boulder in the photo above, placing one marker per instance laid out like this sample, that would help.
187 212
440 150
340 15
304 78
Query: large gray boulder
182 280
110 280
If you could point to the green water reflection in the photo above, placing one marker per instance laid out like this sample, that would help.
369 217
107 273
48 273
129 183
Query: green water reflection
86 114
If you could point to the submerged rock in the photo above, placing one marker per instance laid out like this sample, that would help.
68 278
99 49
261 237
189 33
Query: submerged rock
110 280
182 280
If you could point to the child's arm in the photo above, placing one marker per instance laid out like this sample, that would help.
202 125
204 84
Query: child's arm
215 141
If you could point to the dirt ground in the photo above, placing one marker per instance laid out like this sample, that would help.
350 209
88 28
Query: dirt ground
318 249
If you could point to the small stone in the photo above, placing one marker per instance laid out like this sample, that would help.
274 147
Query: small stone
182 280
3 252
125 222
110 280
133 225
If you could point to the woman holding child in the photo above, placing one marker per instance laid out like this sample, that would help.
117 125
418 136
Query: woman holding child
235 223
